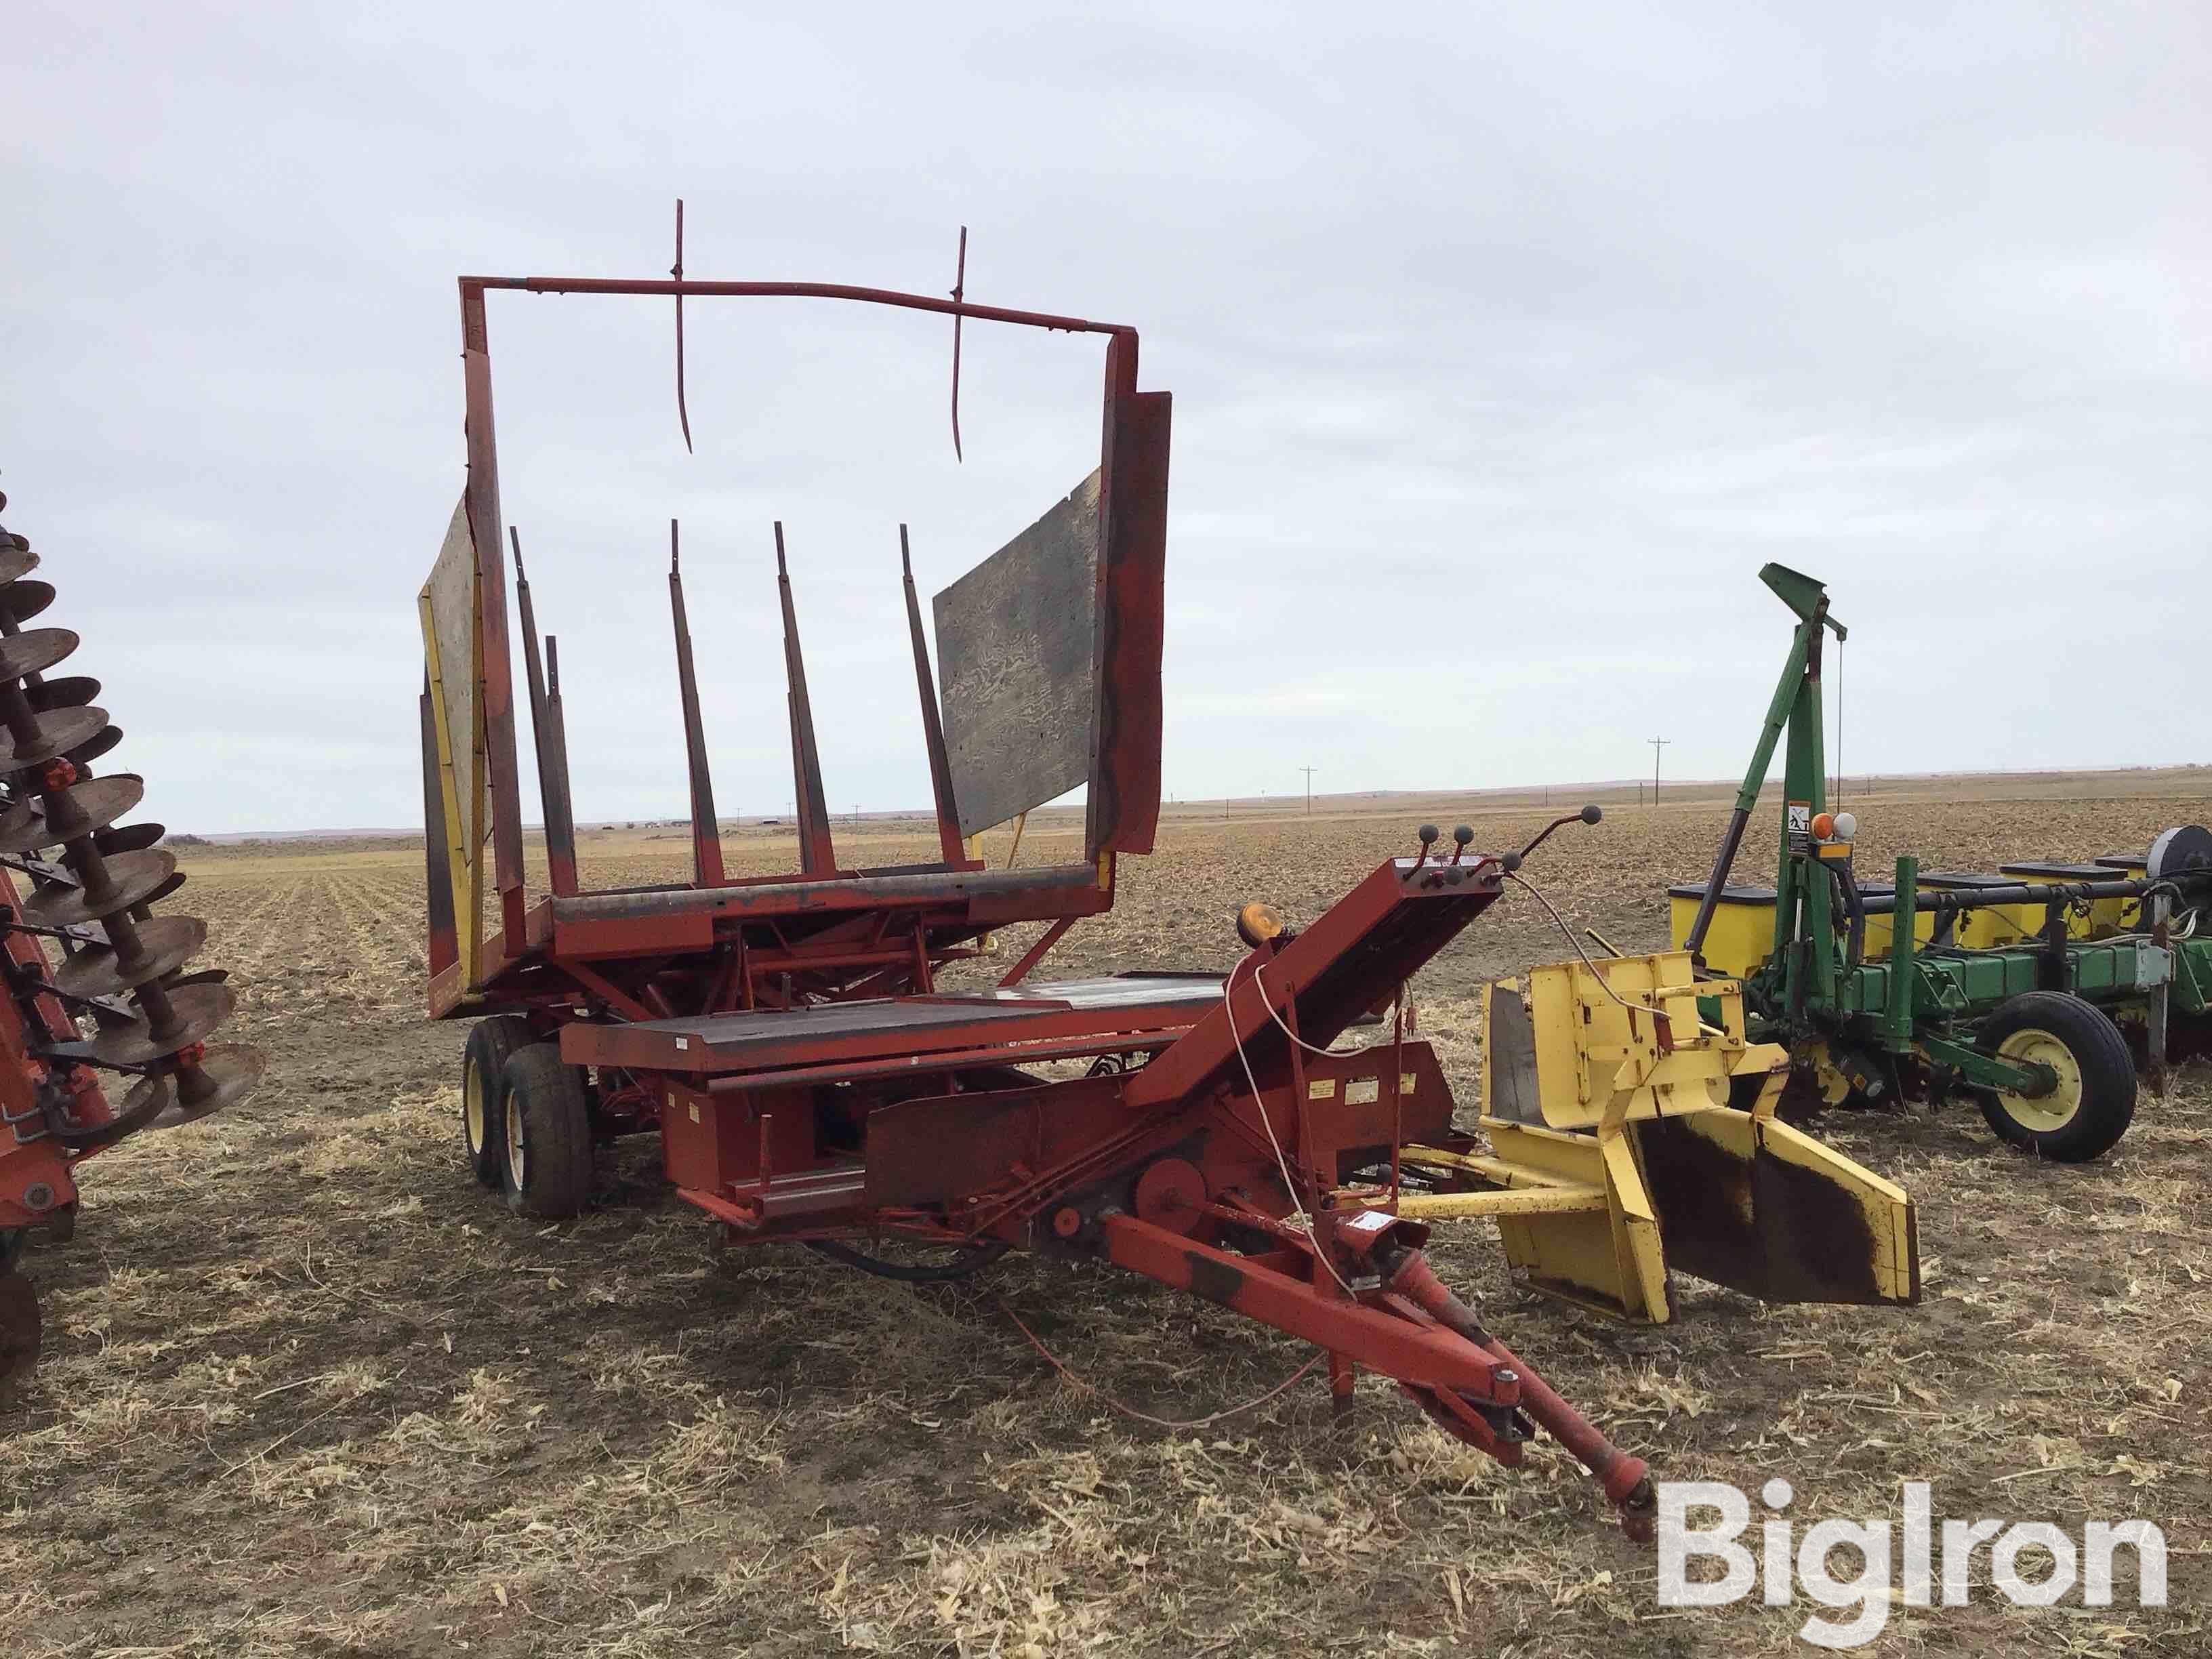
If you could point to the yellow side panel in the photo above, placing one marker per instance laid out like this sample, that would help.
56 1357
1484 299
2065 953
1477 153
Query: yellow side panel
1639 1245
1738 939
449 639
1607 1258
1880 933
449 604
2000 924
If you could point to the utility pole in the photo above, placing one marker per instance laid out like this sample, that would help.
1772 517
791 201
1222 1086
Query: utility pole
1657 744
1309 771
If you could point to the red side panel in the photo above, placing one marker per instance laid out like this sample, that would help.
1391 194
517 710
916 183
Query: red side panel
1124 808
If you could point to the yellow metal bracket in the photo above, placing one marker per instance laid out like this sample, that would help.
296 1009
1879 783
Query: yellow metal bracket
1632 1129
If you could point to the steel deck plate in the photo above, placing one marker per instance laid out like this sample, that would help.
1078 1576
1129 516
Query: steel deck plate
889 1028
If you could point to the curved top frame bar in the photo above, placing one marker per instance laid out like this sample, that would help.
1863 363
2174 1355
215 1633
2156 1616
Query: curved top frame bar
667 288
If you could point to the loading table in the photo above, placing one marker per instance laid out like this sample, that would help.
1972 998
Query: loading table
1055 1019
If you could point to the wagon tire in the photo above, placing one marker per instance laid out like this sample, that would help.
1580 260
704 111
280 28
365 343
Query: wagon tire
545 1162
492 1044
2094 1100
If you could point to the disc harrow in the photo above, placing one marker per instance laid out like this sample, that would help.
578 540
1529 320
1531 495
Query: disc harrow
96 982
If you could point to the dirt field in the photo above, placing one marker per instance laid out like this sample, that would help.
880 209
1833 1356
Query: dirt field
309 1390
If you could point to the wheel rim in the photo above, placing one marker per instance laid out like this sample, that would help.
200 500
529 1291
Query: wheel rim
518 1153
2042 1113
1835 1088
472 1107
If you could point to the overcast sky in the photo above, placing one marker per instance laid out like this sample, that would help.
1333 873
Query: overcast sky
1506 344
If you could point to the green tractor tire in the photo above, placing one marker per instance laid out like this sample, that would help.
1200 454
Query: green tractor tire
2094 1099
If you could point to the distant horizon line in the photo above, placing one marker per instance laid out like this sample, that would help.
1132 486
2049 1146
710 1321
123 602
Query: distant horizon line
927 814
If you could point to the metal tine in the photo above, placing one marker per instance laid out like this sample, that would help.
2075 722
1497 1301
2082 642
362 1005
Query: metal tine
706 832
816 855
682 412
932 720
552 766
959 293
557 744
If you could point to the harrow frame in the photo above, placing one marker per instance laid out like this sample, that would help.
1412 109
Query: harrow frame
95 983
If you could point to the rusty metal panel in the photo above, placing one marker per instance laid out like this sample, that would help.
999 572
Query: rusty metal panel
438 876
452 593
1124 806
1016 643
495 681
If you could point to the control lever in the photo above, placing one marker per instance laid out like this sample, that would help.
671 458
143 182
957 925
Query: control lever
1588 814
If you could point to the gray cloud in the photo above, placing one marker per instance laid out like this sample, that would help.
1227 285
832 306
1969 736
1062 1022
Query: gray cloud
1506 342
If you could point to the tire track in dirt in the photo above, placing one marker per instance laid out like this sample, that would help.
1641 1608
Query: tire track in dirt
395 909
365 911
254 935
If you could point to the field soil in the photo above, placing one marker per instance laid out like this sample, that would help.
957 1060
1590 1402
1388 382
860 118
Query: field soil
308 1389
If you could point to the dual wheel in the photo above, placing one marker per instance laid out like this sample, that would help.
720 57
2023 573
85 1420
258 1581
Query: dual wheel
526 1120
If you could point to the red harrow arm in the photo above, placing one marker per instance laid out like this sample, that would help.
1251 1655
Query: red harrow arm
80 937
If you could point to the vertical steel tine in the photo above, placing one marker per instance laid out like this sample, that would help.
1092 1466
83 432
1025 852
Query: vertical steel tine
683 413
560 812
932 723
560 863
801 808
816 855
959 293
706 832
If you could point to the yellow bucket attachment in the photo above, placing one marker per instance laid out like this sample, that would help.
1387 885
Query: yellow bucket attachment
1616 1153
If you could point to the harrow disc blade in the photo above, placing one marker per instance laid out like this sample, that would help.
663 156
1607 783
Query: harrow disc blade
199 1009
132 838
102 800
133 878
16 558
24 600
96 745
38 649
236 1070
61 731
19 1330
70 691
165 944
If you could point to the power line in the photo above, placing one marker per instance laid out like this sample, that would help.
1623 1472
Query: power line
1309 771
1657 744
